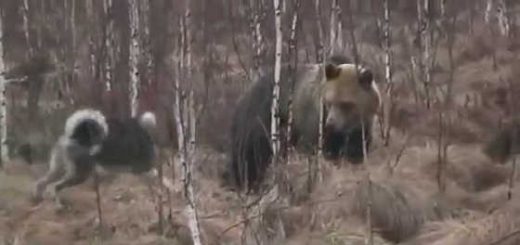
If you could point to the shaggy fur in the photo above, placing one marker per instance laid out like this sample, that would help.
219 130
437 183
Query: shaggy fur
393 216
90 139
250 131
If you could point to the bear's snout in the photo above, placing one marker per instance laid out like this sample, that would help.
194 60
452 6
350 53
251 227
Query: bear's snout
333 142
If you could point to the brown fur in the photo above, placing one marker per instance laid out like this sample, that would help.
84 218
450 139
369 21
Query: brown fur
504 143
394 217
342 86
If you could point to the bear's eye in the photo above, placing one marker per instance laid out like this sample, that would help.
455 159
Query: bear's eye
346 106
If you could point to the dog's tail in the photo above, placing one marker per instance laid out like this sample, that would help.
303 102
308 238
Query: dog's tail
148 121
87 127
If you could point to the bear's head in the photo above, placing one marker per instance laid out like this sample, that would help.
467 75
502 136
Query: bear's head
351 98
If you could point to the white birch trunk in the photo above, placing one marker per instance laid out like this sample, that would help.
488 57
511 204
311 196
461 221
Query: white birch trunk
503 20
336 28
147 40
320 60
275 113
3 102
319 44
71 66
388 55
489 8
388 71
443 8
428 50
134 56
425 45
187 143
92 44
26 26
107 6
72 23
369 239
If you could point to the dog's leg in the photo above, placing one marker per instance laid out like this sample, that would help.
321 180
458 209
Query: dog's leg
56 170
72 177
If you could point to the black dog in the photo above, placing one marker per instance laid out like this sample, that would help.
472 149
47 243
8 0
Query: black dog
89 140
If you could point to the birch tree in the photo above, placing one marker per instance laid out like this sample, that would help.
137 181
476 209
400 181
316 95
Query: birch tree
275 113
388 71
275 110
319 59
369 239
186 126
92 37
108 42
319 34
488 12
443 8
134 55
336 28
25 14
3 102
293 62
427 34
503 18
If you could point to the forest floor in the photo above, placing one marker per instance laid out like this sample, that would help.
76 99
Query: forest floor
475 189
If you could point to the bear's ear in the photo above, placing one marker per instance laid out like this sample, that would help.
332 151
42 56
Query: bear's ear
332 71
365 77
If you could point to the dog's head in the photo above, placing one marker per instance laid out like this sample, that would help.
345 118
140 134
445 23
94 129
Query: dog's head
88 128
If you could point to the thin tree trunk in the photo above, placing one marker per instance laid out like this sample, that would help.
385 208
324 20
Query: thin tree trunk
98 200
4 151
319 34
489 8
70 54
35 83
503 18
443 8
369 240
92 41
427 52
109 52
187 148
147 41
134 56
293 62
256 10
514 139
275 113
320 60
388 72
336 27
26 28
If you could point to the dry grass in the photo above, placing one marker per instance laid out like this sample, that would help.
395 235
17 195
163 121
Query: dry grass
502 228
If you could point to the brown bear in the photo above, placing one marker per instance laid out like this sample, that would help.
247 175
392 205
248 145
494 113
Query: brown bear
504 143
351 99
